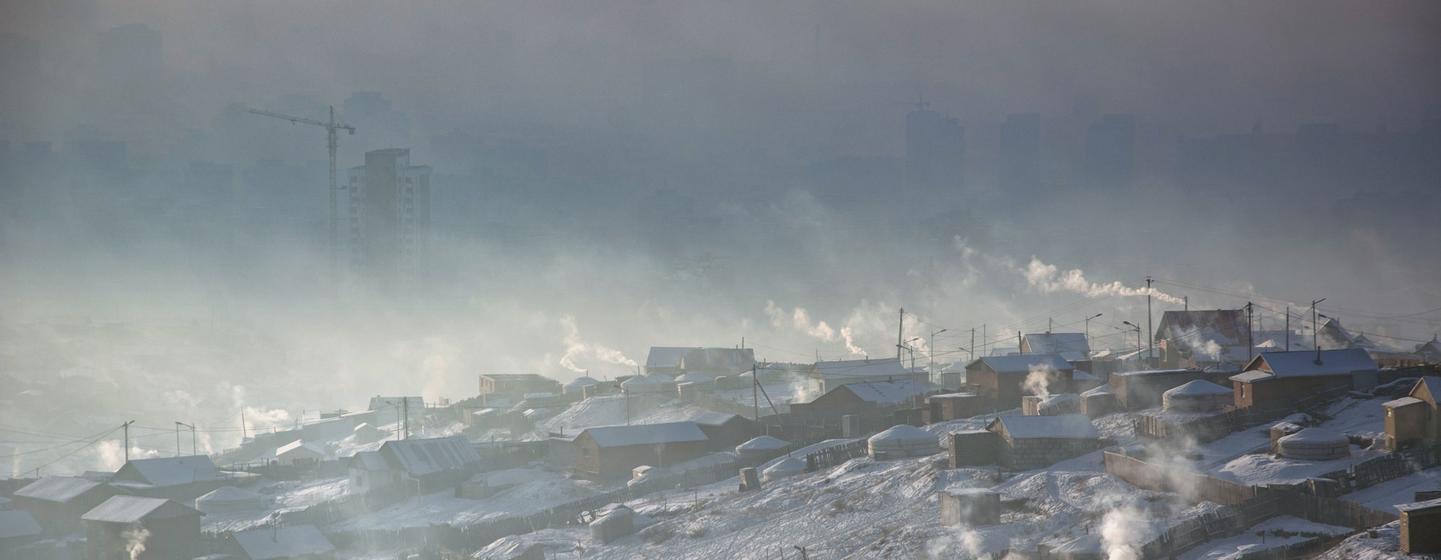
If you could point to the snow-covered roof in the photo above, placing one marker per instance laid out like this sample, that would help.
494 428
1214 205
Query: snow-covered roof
692 377
582 381
788 465
300 447
1414 506
1432 384
168 471
1251 376
902 433
1067 426
267 543
133 509
1314 436
762 443
886 392
1083 375
1097 390
17 523
1197 388
713 418
1073 347
869 367
1403 401
419 457
229 494
1023 363
637 380
646 434
1194 328
1302 363
59 489
1149 372
369 461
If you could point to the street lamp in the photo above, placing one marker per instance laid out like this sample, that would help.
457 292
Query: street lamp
909 350
931 354
1088 329
1138 333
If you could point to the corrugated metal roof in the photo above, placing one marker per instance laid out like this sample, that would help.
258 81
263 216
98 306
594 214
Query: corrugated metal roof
369 460
133 509
169 471
419 457
268 543
872 367
1071 346
646 434
1066 426
59 489
886 392
1302 363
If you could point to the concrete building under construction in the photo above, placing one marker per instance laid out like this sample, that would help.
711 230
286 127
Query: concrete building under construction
387 217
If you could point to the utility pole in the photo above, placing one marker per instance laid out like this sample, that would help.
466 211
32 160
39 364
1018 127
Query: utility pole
972 349
1150 344
126 426
1186 303
405 415
984 341
755 395
900 328
332 127
626 394
178 425
1018 343
931 354
1250 340
1288 327
243 435
1315 329
177 439
1050 324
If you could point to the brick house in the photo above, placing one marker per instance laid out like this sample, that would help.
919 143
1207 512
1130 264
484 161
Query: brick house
1001 379
1278 379
612 451
1030 442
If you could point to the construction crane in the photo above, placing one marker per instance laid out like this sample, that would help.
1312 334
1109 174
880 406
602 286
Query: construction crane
333 141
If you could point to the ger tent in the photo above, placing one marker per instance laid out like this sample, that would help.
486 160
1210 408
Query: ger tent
902 441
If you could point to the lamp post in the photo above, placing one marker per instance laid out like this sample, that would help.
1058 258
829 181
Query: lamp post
1088 329
909 350
931 354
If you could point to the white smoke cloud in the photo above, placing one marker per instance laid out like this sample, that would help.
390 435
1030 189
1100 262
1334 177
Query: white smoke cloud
849 337
1124 530
800 320
1038 381
1048 278
135 538
577 348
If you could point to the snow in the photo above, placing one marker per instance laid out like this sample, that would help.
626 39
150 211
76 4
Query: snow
887 392
613 410
1385 545
1198 387
172 471
1104 389
788 466
59 489
1387 495
1250 542
284 496
230 498
425 456
902 433
1314 436
129 509
1403 401
1025 363
1333 362
540 490
267 543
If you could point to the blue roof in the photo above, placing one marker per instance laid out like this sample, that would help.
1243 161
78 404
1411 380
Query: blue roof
1023 362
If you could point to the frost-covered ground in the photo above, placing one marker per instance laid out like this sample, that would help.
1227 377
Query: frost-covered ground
1387 495
1382 543
284 496
528 491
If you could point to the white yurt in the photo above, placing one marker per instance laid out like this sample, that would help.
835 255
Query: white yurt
759 446
576 387
1314 444
1197 396
229 498
788 466
902 441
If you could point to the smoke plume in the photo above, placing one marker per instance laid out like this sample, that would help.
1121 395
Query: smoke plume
1038 381
1048 278
135 538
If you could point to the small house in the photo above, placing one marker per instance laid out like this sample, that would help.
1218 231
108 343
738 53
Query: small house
369 473
1279 379
952 406
871 402
57 502
1002 380
613 451
1414 420
1430 352
166 529
301 542
1421 527
575 388
1071 347
179 478
826 376
1203 337
428 464
514 386
724 431
1031 442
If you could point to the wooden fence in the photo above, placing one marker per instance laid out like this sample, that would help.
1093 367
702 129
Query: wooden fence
1192 486
835 455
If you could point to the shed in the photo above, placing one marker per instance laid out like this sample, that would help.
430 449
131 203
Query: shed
647 384
968 448
369 472
970 507
277 543
229 498
953 406
1421 527
1098 401
1314 444
427 464
1197 396
612 451
170 529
